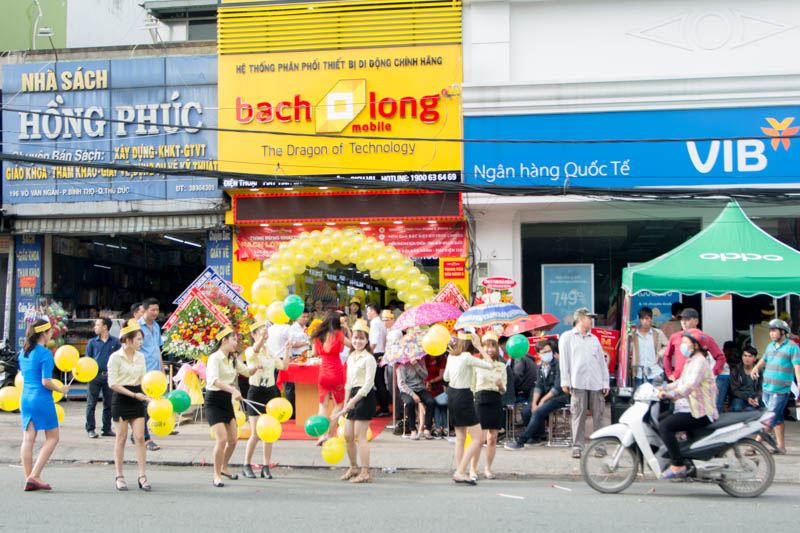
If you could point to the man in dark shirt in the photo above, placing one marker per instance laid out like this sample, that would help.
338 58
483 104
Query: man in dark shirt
523 371
547 395
100 349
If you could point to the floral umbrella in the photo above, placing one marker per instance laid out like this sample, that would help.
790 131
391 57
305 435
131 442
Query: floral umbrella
543 322
485 315
426 314
409 347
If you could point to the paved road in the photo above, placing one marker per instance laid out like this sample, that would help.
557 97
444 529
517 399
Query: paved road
314 500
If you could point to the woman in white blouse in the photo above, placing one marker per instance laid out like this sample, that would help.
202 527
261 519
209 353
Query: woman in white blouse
126 368
221 370
490 385
359 403
262 389
460 375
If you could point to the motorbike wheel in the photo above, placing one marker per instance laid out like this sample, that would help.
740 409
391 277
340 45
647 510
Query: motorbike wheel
761 465
597 470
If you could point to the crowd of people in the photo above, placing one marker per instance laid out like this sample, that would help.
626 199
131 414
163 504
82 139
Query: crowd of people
465 393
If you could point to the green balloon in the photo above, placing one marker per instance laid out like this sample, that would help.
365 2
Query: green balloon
293 306
180 400
317 425
517 346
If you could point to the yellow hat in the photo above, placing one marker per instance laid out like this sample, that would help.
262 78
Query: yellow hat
42 328
132 326
355 300
361 325
464 336
258 323
224 332
387 313
489 336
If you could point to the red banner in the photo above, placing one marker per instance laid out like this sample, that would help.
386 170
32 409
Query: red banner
609 340
423 240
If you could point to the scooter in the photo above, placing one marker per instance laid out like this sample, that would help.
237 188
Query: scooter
724 452
8 364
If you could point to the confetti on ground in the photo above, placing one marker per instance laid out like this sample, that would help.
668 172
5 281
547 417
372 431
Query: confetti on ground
510 496
559 487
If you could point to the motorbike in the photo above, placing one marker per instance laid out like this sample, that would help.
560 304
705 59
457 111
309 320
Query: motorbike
725 452
8 364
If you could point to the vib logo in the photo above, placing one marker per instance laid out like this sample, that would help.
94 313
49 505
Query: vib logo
743 155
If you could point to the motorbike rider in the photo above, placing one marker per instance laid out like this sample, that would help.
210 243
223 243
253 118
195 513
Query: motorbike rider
695 395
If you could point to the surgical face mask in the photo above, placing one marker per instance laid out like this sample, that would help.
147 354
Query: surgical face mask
547 357
686 350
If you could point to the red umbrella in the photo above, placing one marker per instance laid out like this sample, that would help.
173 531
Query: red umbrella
543 322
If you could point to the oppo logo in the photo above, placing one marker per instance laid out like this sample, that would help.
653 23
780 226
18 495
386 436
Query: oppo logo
734 256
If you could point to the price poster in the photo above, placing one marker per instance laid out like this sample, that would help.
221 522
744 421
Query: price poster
566 288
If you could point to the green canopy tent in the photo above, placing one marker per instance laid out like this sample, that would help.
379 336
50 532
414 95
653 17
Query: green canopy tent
732 255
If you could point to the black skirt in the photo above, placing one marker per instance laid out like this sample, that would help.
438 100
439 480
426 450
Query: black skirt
219 407
365 408
461 406
126 408
260 395
489 405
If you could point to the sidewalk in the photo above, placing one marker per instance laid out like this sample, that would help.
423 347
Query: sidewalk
193 446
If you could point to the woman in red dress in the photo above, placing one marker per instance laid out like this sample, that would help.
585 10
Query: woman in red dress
328 342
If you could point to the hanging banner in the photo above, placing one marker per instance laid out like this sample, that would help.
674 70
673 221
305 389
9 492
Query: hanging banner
256 243
453 270
28 279
609 340
219 252
566 288
210 277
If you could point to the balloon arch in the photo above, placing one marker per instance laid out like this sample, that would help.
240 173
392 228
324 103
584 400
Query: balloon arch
348 246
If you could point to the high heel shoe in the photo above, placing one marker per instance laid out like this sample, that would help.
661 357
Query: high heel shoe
265 473
145 486
247 471
31 485
119 481
218 484
233 477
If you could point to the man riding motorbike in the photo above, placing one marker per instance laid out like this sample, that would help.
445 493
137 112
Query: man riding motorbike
694 393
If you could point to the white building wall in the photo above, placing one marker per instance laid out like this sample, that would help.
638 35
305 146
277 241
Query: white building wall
96 23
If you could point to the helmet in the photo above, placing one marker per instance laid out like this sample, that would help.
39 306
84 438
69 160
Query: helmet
777 323
698 337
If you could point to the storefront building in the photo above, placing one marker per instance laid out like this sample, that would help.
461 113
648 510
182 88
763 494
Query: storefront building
700 96
96 240
322 93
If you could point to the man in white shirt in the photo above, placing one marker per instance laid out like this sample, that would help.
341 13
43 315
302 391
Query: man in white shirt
584 375
293 337
647 349
377 345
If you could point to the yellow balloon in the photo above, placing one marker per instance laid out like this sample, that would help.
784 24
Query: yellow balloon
59 414
333 451
57 395
369 263
280 409
263 290
154 384
435 341
276 314
342 421
244 432
19 381
268 428
162 428
340 432
9 398
160 409
241 419
86 369
66 357
467 441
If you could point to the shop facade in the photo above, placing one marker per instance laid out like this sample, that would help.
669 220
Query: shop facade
96 240
678 81
369 98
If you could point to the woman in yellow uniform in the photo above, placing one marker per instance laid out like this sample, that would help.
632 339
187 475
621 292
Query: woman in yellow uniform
221 392
359 403
262 389
126 368
490 385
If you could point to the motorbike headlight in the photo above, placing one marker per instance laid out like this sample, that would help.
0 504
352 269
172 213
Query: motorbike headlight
645 393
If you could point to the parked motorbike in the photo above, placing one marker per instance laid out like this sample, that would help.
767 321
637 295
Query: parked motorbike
725 452
8 364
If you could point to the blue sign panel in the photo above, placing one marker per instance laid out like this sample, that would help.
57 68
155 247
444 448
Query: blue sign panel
566 288
219 252
686 148
661 304
146 112
27 280
209 276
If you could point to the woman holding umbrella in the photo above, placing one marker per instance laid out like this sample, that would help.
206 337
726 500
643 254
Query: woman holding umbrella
460 375
490 385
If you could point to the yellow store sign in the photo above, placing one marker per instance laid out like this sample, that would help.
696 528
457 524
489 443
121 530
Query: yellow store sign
382 113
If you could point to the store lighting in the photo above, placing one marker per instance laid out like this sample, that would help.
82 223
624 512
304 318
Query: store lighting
330 223
324 188
264 225
431 222
105 267
253 190
398 221
181 241
109 245
288 188
364 223
297 224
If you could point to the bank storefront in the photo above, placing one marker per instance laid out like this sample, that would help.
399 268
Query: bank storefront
569 246
97 240
369 99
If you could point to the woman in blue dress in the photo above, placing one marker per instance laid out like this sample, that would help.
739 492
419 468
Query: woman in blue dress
37 406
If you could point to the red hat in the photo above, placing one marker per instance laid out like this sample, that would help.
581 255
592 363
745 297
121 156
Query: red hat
697 336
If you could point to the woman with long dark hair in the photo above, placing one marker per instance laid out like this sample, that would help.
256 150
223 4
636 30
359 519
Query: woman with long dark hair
37 406
221 391
490 385
126 368
328 342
